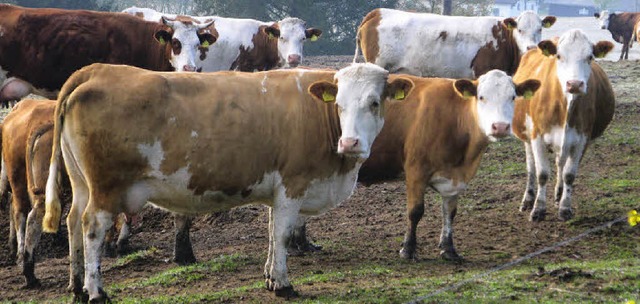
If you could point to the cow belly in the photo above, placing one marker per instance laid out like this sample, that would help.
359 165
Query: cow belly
322 195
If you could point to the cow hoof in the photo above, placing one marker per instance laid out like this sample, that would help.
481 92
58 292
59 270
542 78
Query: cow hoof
184 260
102 298
300 249
31 283
450 256
565 214
80 297
526 206
537 215
269 284
123 248
407 254
286 292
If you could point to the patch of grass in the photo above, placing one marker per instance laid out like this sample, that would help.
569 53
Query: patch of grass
136 256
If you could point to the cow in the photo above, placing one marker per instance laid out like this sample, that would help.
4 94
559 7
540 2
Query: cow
26 140
193 143
44 46
621 27
446 46
248 44
574 106
636 31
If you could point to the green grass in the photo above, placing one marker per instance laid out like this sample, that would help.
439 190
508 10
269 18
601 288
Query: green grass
136 256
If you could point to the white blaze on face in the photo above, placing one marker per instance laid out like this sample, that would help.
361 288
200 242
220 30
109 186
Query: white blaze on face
603 20
291 41
529 31
573 61
360 89
185 45
496 95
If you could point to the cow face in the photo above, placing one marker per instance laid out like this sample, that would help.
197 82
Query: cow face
603 18
574 54
360 95
187 38
528 31
291 34
495 95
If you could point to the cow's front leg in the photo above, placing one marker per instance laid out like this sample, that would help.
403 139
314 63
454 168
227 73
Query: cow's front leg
542 173
95 223
182 250
299 243
285 214
415 209
529 192
267 264
575 153
449 210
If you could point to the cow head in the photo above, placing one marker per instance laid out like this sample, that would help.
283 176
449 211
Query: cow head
360 92
291 34
186 36
603 17
494 94
527 29
574 54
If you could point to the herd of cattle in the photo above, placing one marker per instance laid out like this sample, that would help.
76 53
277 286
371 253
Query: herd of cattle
126 131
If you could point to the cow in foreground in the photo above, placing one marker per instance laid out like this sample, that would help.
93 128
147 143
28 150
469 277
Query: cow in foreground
437 137
574 106
444 46
248 44
194 143
621 27
43 46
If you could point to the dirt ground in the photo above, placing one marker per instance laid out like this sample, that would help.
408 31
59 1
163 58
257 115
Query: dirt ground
368 228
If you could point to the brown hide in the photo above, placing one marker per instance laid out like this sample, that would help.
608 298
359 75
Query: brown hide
505 56
262 57
621 27
367 37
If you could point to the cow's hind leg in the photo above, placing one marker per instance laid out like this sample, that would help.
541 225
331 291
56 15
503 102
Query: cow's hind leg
95 223
559 189
542 173
299 243
415 210
34 231
76 248
182 250
449 210
13 237
267 264
569 173
529 192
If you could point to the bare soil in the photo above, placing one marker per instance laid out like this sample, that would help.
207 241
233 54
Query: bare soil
368 228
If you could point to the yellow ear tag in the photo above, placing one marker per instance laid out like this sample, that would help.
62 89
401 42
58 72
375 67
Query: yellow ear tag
399 95
271 36
206 43
545 52
509 27
467 94
314 38
161 40
547 25
528 94
600 55
328 97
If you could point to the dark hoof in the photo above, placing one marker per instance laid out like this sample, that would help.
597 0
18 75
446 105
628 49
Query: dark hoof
537 215
123 248
526 205
407 254
184 260
286 292
565 214
450 256
32 283
80 297
300 249
268 284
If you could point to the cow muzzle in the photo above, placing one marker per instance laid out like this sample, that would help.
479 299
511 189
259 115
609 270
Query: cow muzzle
349 145
575 86
500 129
603 27
189 68
293 60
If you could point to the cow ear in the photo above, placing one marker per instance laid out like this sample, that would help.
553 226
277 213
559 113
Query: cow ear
510 23
602 48
547 47
548 21
399 88
527 88
597 15
163 35
324 91
465 88
272 31
313 33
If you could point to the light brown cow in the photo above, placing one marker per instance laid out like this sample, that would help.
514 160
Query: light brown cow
437 137
194 143
26 134
574 106
447 46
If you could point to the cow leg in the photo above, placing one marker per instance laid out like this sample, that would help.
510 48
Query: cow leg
560 161
449 210
267 265
13 236
95 223
182 250
122 243
542 174
285 214
569 174
415 210
34 231
299 243
19 216
76 247
529 193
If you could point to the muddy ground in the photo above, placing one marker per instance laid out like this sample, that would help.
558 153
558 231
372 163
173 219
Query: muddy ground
368 228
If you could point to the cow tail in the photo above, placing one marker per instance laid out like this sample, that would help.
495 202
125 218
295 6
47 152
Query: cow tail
53 209
4 180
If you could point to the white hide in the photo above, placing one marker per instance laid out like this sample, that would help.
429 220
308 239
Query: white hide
148 14
496 94
291 40
411 43
603 20
359 87
575 53
529 30
187 35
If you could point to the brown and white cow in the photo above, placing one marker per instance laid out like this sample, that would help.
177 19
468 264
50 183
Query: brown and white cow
248 44
437 137
194 143
446 46
574 106
26 140
44 46
621 27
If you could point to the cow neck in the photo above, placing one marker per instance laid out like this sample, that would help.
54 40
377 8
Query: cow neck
515 50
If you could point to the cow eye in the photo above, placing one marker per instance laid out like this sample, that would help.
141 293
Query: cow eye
481 97
513 97
558 56
375 104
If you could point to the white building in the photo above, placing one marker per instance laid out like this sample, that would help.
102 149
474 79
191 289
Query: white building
513 8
